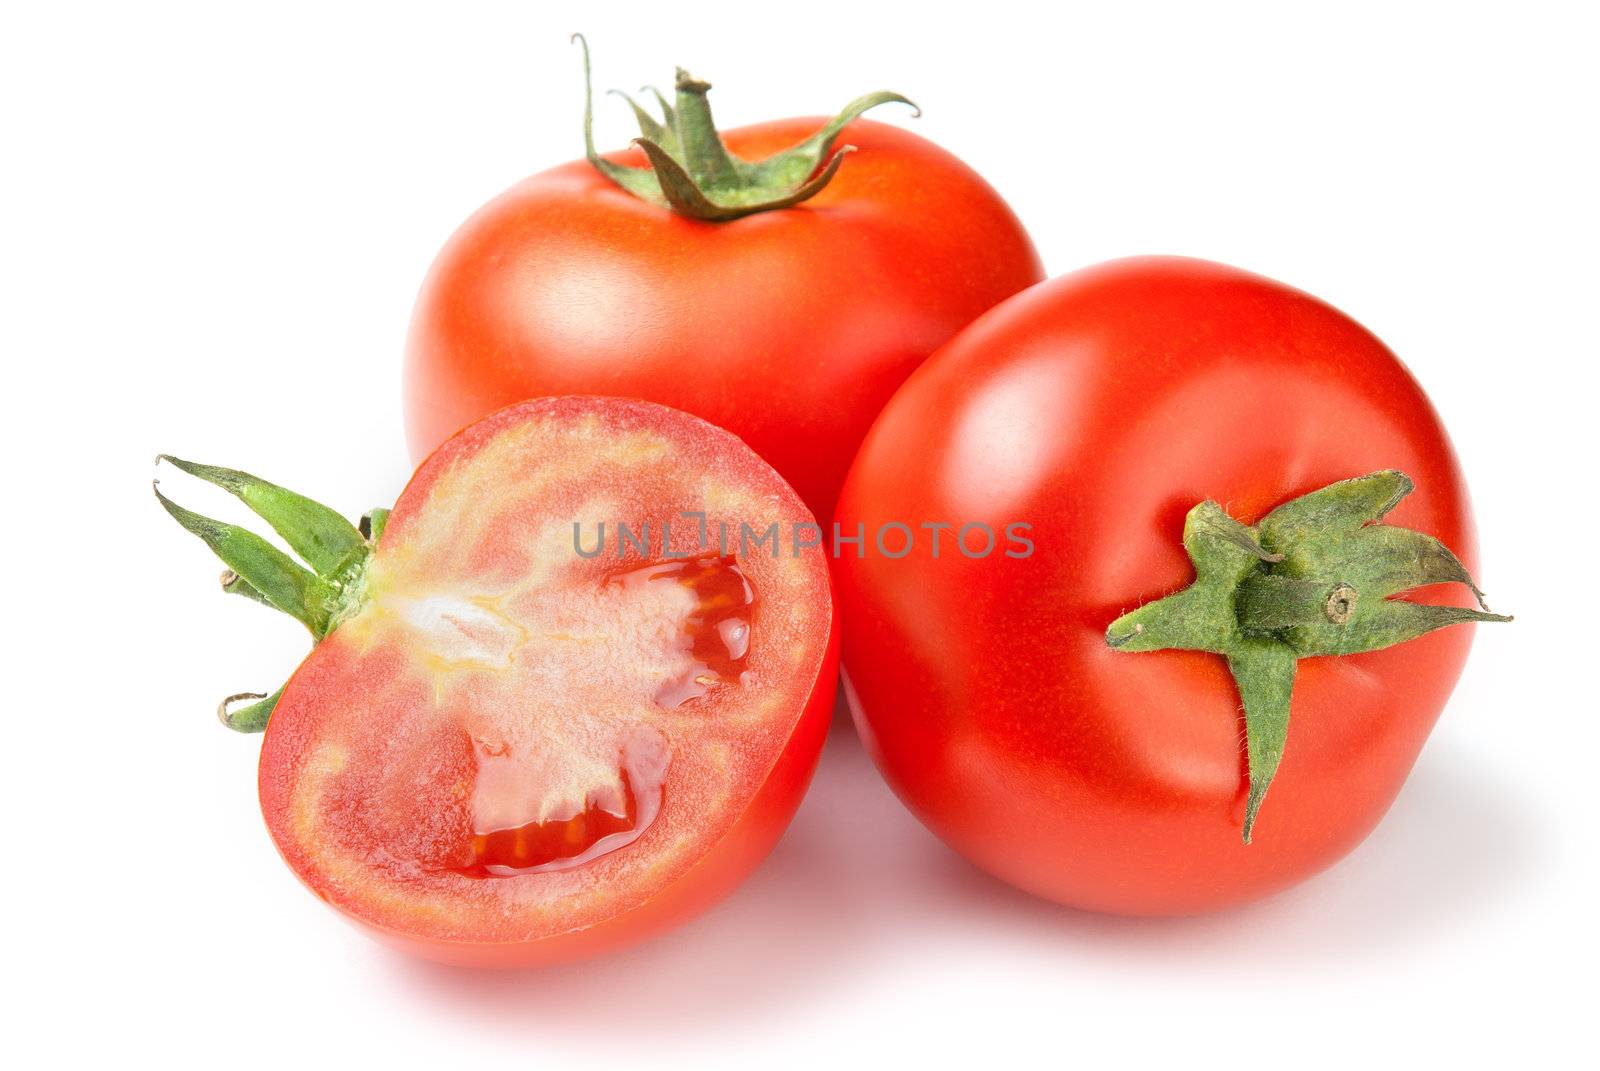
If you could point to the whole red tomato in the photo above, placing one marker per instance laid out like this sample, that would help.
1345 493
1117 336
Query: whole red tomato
789 325
1120 413
512 745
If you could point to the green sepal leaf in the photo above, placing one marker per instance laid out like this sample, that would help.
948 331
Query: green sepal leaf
234 584
1263 670
1376 625
794 165
639 181
669 117
279 580
251 718
684 194
1335 510
1224 553
649 128
1331 539
1319 576
318 534
259 571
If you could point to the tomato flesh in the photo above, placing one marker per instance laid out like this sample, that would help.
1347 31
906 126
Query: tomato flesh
511 744
500 850
716 634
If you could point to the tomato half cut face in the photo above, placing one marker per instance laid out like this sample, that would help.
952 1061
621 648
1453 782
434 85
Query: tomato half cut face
571 709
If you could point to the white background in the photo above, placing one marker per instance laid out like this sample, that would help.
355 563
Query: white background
214 221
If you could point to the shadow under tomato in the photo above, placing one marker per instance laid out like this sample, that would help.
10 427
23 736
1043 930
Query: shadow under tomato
857 887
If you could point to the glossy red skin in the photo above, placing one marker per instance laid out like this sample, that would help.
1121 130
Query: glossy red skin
790 328
720 869
1100 407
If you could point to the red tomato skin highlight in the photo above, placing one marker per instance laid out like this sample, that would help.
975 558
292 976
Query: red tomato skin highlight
1100 407
790 328
717 871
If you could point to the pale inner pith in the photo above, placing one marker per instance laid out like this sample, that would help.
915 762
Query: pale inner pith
565 693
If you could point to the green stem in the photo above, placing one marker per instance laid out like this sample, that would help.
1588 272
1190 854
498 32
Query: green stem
1318 576
691 171
703 152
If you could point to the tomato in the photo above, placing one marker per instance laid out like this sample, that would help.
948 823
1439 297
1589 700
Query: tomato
789 327
521 740
1097 411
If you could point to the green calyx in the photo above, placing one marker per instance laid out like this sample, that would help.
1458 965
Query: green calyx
326 589
1317 576
692 173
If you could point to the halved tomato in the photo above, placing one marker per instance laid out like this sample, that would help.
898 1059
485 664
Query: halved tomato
519 743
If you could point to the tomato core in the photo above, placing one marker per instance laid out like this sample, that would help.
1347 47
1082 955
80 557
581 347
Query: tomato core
513 828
